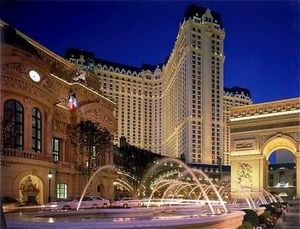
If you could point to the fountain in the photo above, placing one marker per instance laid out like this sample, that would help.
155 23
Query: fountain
183 201
174 183
279 198
269 195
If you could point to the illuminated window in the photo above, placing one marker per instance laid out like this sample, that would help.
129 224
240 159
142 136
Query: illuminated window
62 191
56 142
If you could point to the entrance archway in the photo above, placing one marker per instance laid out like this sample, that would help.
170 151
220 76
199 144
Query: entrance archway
279 142
256 132
31 190
249 170
282 174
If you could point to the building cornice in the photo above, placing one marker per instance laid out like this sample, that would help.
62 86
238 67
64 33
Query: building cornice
265 110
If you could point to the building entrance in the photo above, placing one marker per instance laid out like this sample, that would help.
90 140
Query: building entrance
31 190
282 174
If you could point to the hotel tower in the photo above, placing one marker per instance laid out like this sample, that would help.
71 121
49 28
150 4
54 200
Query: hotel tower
179 107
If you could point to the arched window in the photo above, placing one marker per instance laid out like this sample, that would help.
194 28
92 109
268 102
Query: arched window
36 144
13 126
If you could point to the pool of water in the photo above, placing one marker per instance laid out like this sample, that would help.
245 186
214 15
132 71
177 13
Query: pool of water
87 216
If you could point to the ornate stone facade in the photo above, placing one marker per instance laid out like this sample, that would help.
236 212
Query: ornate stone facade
49 95
260 129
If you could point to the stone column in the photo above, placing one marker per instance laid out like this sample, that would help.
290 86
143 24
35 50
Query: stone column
47 149
298 174
27 138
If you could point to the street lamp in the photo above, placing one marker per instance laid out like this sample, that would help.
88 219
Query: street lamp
49 194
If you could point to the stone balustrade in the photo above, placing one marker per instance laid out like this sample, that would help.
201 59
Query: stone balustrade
24 154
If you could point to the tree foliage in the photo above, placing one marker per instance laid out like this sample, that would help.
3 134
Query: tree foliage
93 142
8 134
136 160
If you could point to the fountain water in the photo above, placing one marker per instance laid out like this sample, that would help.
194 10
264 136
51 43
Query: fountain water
90 180
278 197
247 198
175 184
269 195
212 186
182 187
262 198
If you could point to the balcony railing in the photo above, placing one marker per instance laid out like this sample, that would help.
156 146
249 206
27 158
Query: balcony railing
25 154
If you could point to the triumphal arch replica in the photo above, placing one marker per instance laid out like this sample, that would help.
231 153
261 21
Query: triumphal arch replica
257 131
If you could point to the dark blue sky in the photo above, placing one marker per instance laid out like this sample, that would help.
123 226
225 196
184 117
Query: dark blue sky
261 44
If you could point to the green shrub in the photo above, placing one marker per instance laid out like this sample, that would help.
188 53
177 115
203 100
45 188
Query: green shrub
270 207
250 217
263 217
245 225
275 204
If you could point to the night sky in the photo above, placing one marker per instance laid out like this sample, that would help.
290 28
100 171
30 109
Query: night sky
261 44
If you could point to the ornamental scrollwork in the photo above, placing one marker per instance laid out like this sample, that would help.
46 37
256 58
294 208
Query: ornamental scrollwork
295 136
264 138
99 115
59 126
244 176
16 67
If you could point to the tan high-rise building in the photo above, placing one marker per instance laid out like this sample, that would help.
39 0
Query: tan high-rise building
233 97
175 108
137 93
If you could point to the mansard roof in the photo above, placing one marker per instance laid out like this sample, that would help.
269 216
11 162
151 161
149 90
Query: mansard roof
76 53
193 10
238 90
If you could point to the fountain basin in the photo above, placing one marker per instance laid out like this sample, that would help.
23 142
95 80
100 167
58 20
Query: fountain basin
92 219
104 213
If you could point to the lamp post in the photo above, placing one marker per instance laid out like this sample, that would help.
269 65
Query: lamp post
49 177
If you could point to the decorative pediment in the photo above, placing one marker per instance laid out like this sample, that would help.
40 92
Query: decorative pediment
100 114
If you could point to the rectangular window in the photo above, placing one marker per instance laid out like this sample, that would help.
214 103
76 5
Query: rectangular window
62 191
56 142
